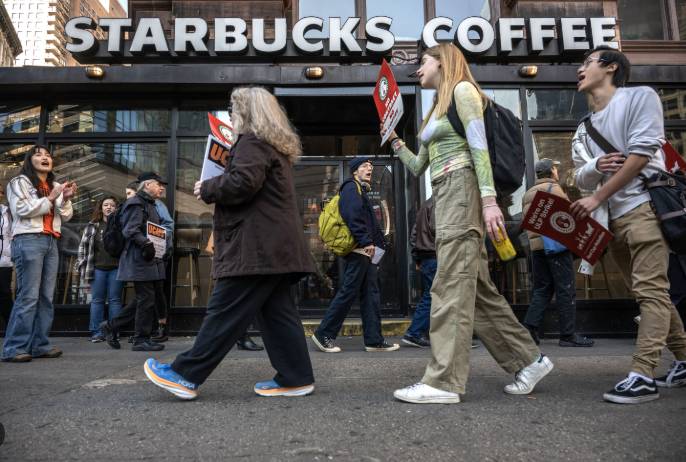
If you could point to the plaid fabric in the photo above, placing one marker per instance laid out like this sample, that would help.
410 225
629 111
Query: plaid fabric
85 259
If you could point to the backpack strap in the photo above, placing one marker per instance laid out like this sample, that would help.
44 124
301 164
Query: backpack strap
599 139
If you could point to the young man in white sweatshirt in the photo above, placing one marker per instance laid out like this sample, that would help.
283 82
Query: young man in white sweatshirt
631 120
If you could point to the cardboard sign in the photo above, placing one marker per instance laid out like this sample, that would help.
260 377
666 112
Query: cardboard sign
673 161
216 158
389 103
549 216
221 130
158 236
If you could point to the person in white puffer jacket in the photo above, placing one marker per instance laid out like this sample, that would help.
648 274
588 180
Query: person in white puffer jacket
6 265
39 205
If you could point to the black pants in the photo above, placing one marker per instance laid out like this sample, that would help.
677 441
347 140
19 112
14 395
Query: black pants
553 274
235 301
6 301
160 300
142 312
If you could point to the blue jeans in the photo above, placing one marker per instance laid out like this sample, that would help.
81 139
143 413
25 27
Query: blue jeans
553 274
36 259
361 277
104 284
420 320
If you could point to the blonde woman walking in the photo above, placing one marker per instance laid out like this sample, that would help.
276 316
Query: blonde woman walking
259 252
463 297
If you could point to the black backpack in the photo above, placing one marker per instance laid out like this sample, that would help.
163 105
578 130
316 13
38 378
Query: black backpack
505 145
113 239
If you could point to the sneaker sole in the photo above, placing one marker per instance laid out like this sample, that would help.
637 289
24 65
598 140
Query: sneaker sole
531 389
661 384
446 400
627 400
412 344
394 347
173 388
323 348
289 392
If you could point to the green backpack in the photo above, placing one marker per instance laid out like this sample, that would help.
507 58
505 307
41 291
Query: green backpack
332 228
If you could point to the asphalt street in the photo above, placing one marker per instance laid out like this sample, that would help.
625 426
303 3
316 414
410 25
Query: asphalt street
96 404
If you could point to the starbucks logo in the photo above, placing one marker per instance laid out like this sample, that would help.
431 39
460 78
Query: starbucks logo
562 222
383 88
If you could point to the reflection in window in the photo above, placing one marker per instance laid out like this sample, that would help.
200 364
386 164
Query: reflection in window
641 20
458 11
606 282
673 102
11 159
196 121
507 98
555 104
325 9
19 118
99 169
86 119
408 16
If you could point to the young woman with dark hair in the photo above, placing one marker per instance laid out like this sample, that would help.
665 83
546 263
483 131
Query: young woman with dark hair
98 269
39 205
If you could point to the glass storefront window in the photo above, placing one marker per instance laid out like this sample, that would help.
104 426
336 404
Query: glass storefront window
606 281
408 16
19 118
191 280
641 20
555 104
324 9
458 11
196 121
680 6
11 159
70 118
678 139
99 169
673 102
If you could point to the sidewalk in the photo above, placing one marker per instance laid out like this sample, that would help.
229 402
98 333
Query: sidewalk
95 404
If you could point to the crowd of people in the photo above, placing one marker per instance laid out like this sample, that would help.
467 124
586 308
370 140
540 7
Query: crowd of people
256 213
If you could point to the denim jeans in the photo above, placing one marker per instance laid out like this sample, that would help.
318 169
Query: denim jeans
35 258
361 277
553 274
104 284
420 320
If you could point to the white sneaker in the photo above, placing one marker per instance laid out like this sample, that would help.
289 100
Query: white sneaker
527 378
421 393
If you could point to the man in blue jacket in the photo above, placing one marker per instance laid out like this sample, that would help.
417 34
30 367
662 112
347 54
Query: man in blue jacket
361 275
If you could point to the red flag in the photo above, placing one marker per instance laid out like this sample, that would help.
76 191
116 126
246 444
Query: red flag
673 161
221 130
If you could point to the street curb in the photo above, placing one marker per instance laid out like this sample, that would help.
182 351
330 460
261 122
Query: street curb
353 327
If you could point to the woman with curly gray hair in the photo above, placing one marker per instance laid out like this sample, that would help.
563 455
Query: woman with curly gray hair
259 252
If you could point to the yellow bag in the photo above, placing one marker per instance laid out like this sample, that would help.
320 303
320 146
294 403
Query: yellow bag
332 228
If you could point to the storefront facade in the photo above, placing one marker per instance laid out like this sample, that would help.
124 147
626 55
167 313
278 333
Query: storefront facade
104 132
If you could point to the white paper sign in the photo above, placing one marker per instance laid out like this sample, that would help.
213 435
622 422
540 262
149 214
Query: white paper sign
216 158
158 236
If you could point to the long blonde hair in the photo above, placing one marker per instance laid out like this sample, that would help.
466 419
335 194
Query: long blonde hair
256 111
454 69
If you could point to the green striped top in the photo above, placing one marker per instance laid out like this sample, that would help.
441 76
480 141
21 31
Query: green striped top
443 150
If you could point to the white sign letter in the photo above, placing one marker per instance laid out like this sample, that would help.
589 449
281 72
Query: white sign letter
280 32
510 29
485 31
573 29
300 29
149 33
541 31
380 39
115 38
601 29
429 32
344 34
83 41
196 36
229 35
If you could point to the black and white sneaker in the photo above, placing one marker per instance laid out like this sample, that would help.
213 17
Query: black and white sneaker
325 344
632 390
419 342
676 376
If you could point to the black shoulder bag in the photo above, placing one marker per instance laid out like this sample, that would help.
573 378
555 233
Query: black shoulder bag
667 195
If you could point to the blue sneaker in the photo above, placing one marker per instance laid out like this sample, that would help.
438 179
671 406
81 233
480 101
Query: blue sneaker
271 388
163 376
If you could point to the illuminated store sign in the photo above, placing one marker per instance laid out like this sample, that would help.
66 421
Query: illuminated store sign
191 42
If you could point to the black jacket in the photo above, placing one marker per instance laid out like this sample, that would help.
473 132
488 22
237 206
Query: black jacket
257 225
423 236
136 212
358 214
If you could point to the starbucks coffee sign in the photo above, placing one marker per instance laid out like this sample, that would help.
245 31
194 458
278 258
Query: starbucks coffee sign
146 42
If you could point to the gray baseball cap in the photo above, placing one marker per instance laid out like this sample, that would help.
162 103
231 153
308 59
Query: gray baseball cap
545 165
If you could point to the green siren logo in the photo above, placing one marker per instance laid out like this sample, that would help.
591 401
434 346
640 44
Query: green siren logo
383 88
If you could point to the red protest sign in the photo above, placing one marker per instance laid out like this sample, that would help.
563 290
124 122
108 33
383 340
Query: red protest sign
389 103
549 216
221 130
673 161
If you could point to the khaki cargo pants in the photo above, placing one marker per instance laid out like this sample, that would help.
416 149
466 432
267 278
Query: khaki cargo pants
463 297
642 255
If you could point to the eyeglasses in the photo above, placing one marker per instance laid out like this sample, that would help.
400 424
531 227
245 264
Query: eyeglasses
587 62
